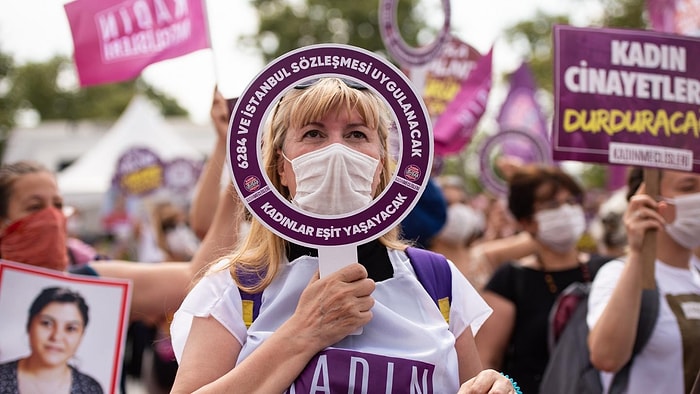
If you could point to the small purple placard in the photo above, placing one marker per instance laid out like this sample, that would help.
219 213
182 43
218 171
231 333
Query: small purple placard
414 159
139 171
626 97
406 55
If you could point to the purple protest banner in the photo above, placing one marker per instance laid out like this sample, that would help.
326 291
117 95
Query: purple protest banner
441 78
455 127
626 97
520 111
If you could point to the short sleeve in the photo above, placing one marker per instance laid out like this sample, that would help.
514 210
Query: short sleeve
468 308
602 288
216 295
502 282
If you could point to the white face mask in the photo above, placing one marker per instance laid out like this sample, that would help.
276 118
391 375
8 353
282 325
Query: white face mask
560 228
685 229
333 180
462 224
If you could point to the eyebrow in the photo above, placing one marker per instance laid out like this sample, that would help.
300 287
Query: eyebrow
47 316
34 198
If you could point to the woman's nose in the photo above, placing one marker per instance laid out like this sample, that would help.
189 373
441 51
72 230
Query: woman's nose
55 334
335 138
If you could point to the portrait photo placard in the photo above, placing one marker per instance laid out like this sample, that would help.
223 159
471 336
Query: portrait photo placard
26 292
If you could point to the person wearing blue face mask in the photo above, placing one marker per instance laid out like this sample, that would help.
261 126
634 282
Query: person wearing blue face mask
546 202
670 360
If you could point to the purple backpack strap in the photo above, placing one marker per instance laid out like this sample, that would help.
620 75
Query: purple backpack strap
251 301
433 273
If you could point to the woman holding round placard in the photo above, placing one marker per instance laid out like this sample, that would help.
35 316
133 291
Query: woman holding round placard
325 149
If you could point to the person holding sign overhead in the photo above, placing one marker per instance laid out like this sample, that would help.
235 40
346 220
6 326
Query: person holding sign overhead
670 360
325 150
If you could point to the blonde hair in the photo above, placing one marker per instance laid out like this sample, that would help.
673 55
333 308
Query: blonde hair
261 251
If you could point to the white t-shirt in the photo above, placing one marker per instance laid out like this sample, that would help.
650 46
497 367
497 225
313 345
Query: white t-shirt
407 343
659 367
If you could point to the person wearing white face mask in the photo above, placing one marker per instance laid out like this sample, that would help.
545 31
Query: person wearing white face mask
326 151
546 202
333 180
670 361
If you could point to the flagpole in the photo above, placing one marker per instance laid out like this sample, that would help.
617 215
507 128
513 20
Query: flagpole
211 44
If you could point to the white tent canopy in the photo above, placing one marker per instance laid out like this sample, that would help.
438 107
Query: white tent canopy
140 126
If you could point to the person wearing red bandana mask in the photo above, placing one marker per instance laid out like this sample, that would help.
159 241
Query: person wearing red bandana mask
33 231
34 227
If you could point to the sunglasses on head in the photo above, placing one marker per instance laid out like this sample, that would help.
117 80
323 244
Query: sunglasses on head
310 82
348 82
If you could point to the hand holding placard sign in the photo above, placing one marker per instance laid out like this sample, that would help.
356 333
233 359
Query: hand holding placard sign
329 231
631 97
627 97
321 175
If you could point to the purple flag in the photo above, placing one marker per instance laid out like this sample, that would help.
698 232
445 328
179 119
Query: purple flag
455 127
675 16
520 111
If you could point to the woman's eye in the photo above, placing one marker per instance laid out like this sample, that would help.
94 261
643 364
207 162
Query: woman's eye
72 328
45 322
356 134
35 208
312 134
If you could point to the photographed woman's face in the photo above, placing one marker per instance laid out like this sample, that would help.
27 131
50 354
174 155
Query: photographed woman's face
32 193
343 127
55 333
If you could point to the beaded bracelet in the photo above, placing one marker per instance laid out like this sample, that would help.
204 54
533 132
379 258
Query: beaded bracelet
515 385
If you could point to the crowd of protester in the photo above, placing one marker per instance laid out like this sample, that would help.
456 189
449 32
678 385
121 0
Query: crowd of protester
517 251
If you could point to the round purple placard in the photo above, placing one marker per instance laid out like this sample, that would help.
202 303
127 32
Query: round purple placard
413 162
181 174
395 44
492 182
139 171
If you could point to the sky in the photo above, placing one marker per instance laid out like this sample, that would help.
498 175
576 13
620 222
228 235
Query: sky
36 30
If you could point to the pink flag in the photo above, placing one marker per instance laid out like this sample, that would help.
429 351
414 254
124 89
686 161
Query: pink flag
520 111
675 16
455 127
116 39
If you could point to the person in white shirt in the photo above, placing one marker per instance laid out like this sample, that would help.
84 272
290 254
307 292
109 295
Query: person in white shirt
670 360
304 335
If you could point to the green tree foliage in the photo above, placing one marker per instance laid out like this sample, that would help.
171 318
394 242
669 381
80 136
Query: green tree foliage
534 39
48 88
8 103
624 13
286 25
